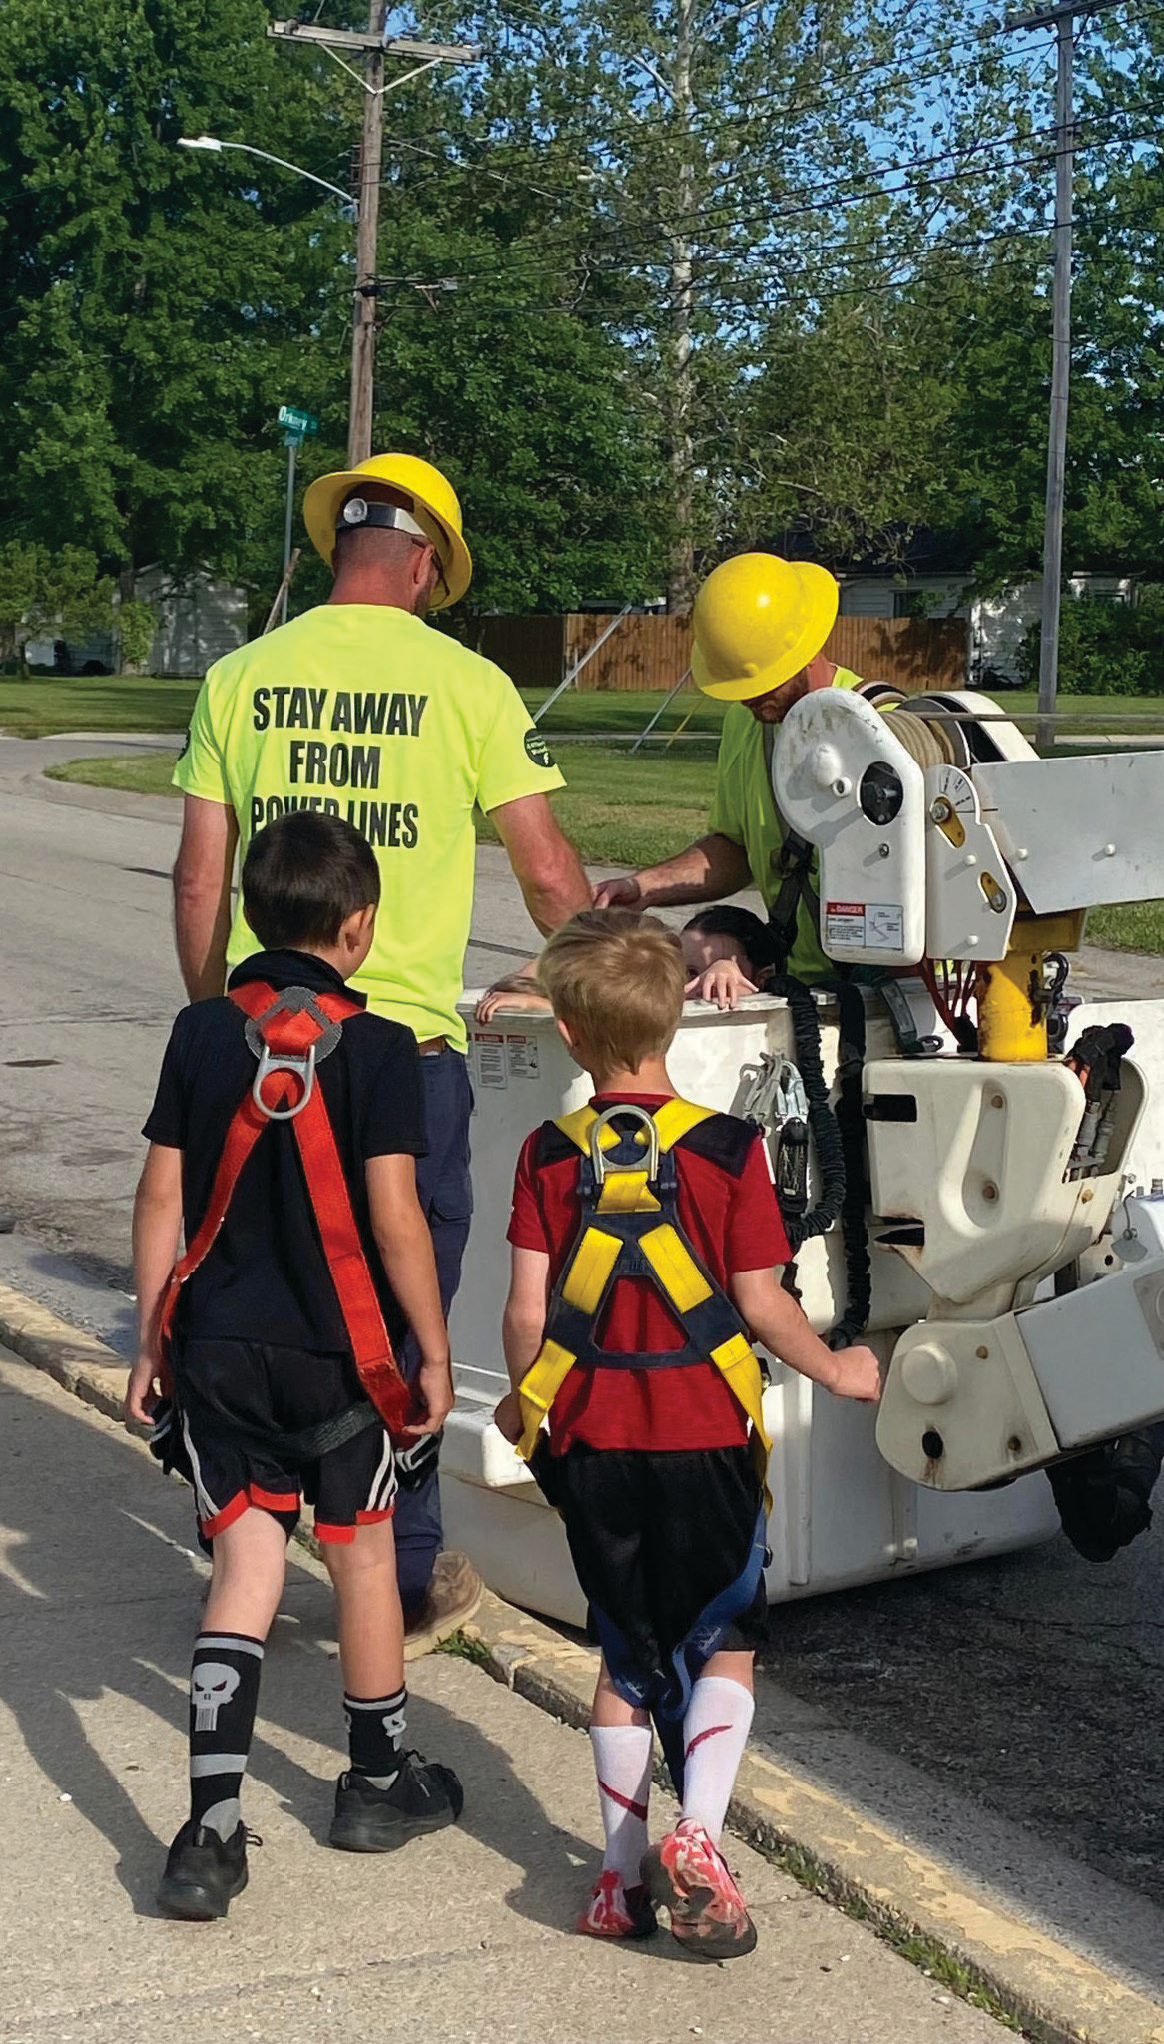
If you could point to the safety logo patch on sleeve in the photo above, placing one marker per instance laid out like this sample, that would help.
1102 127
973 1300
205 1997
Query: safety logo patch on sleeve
537 749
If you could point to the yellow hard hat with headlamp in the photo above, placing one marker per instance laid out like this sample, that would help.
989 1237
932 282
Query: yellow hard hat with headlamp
432 503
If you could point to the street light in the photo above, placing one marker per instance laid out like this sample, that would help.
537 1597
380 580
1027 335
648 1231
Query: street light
213 143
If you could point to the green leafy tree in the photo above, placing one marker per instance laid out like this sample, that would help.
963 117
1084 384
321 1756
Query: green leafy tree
159 305
42 593
135 627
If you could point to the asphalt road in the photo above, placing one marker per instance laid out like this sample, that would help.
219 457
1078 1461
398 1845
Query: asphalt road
1034 1684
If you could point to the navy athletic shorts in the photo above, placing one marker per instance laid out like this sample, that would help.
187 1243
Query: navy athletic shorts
669 1551
230 1393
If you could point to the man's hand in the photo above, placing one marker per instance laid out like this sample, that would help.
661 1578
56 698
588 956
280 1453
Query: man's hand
622 892
142 1395
726 983
434 1388
507 1418
857 1374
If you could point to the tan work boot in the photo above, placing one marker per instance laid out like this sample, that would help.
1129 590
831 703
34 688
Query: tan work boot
453 1596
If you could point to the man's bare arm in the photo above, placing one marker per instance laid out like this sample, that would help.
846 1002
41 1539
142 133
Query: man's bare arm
203 872
708 870
545 864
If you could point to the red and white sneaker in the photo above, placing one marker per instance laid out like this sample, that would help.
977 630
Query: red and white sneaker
687 1875
615 1911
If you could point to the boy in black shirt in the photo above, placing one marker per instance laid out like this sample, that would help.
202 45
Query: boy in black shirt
256 1334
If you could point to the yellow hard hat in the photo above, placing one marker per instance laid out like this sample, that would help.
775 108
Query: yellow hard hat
758 621
434 504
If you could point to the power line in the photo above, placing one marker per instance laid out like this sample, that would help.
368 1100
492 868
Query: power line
548 262
866 181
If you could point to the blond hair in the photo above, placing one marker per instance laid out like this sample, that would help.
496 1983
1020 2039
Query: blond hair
616 980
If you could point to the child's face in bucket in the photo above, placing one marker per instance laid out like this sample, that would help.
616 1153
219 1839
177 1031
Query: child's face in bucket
702 948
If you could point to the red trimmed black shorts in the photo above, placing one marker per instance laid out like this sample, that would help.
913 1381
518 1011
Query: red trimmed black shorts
230 1393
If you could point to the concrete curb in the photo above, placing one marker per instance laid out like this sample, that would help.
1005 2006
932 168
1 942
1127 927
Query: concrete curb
925 1907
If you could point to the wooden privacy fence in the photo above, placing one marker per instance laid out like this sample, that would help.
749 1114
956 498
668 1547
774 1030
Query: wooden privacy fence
648 651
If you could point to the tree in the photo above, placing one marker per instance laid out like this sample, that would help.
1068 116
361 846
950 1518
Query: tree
160 306
63 594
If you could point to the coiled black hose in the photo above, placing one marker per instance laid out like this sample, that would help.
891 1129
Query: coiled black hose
839 1139
800 1228
851 1122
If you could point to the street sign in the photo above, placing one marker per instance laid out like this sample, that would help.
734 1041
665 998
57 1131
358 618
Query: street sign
296 421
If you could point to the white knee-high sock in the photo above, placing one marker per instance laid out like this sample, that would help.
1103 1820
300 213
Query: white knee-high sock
715 1732
622 1762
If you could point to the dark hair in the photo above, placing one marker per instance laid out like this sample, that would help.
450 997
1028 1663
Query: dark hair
756 938
303 876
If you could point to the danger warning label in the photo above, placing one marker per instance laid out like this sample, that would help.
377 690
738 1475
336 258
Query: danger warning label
498 1059
864 926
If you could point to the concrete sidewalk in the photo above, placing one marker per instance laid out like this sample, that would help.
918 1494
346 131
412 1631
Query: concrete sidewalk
463 1936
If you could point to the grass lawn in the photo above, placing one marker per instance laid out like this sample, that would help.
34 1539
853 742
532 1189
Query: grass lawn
1137 927
617 810
39 706
625 712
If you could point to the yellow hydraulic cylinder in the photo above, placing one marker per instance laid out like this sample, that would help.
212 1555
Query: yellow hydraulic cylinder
1012 1027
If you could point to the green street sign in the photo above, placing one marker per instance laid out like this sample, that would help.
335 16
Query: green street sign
297 421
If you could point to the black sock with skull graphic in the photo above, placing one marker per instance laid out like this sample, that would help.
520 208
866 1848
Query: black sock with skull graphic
224 1696
376 1735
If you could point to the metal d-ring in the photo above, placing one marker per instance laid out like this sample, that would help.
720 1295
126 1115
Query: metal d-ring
598 1155
303 1068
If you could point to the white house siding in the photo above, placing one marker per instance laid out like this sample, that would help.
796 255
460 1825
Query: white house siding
197 622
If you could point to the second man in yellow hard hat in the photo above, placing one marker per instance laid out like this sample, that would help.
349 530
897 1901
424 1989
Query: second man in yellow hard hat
761 624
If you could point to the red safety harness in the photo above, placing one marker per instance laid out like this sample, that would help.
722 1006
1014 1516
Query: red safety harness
289 1033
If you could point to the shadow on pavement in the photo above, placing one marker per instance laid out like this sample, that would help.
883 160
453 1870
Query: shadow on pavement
95 1541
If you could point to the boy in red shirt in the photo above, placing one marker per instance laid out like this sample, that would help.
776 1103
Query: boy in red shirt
649 1463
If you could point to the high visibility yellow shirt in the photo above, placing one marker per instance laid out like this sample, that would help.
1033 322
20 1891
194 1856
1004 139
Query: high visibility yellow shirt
743 808
366 712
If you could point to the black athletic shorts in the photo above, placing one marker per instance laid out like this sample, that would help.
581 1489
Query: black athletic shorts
224 1387
657 1540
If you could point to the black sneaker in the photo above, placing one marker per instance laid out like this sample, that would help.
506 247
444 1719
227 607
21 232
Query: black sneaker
203 1873
423 1797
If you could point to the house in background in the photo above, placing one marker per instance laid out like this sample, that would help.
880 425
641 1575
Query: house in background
927 584
197 619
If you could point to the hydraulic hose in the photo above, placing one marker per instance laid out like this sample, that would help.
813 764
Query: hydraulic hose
839 1139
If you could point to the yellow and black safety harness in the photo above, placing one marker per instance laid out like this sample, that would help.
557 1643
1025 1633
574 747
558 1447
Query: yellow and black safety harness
630 1227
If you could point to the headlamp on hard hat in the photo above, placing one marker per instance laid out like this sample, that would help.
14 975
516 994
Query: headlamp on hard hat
357 511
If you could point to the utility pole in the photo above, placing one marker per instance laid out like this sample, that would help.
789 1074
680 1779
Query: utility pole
1062 19
374 47
681 578
367 227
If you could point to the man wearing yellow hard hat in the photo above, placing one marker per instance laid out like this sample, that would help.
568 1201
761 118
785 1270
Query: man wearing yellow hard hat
359 709
761 624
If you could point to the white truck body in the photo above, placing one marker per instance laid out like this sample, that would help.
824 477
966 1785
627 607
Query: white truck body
842 1515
